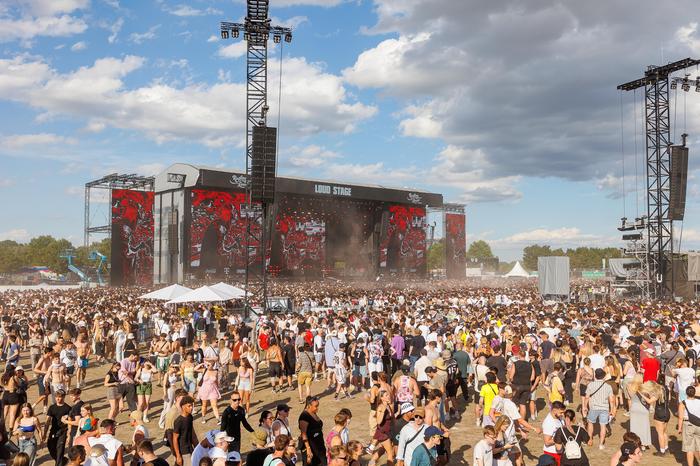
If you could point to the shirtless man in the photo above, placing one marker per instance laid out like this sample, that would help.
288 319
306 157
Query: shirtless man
56 376
82 347
41 369
432 418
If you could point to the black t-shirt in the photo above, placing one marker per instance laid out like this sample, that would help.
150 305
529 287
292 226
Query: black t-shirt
257 457
537 368
499 362
417 344
396 427
581 437
547 347
56 412
156 462
183 427
75 411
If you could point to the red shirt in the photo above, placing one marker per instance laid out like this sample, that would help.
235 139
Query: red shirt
651 368
263 341
308 337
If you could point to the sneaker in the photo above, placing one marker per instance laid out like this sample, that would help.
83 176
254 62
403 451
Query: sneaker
204 421
601 447
145 418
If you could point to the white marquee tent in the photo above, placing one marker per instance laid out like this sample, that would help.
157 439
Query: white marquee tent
518 271
203 294
229 289
167 293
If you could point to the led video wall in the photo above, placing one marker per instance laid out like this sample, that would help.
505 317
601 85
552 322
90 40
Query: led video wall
455 245
132 238
403 245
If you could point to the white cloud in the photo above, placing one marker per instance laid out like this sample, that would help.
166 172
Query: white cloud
139 38
213 38
321 3
150 169
115 28
370 173
28 28
234 50
186 10
211 114
20 235
564 237
78 46
293 22
18 141
312 156
688 36
53 7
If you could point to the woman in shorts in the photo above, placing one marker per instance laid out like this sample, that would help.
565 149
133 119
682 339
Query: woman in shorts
244 382
111 382
144 387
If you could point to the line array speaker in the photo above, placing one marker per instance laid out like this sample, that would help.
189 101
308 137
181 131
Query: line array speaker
263 164
678 181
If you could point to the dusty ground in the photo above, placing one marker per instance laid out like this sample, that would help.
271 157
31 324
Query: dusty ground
464 434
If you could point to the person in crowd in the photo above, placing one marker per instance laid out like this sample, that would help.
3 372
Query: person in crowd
689 425
570 439
55 430
426 453
311 430
598 406
28 430
231 420
209 393
184 437
244 382
113 446
144 387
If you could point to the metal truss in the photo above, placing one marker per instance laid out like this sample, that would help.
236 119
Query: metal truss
658 158
108 183
256 32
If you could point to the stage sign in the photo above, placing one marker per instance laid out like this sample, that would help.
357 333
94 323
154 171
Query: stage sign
455 245
403 247
132 238
302 241
218 230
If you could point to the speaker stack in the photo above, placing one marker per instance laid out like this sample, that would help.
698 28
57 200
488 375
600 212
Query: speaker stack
263 164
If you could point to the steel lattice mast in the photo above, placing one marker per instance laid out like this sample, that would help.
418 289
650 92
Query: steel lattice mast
658 158
256 32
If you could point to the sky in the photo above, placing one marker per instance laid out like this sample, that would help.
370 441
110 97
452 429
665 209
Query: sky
509 107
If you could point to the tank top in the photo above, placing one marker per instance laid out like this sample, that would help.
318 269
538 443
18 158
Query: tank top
404 394
359 356
521 377
375 403
146 376
113 378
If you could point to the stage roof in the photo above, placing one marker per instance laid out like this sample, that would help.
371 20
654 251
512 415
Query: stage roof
220 178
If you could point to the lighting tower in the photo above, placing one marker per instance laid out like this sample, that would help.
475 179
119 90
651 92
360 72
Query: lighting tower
256 30
658 157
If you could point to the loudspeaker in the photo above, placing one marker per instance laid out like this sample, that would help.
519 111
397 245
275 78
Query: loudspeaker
263 164
678 181
384 225
632 237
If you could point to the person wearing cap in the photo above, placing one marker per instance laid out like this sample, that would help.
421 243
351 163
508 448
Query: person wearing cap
426 453
281 423
631 454
598 405
258 456
219 453
410 437
205 445
55 430
404 415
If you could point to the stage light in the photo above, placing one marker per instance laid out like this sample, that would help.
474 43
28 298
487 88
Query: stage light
235 33
277 39
673 85
224 35
685 87
288 37
246 36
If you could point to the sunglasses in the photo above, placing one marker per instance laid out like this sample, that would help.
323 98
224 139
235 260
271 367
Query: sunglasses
418 416
235 399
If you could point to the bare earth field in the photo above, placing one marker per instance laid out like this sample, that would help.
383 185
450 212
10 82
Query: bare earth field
464 434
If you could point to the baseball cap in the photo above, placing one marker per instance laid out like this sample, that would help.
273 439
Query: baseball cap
223 436
283 407
432 431
599 373
430 369
628 448
546 460
234 456
211 436
405 408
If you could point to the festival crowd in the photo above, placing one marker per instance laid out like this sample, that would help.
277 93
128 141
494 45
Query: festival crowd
424 361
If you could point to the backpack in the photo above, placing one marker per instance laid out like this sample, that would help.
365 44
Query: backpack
572 450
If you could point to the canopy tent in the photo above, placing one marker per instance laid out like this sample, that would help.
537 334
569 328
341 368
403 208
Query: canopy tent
229 289
203 294
167 293
518 271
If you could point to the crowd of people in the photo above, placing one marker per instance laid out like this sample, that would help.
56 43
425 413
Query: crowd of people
423 360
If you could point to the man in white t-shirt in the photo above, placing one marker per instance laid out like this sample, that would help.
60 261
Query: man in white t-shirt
114 447
411 437
205 445
550 425
483 450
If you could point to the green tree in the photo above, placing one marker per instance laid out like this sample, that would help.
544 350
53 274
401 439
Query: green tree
436 255
11 256
479 249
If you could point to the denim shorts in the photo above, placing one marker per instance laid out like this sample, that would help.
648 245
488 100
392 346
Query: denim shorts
599 416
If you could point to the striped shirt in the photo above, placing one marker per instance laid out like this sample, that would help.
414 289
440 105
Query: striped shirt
598 395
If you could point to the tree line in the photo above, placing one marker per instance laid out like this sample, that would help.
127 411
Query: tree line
45 251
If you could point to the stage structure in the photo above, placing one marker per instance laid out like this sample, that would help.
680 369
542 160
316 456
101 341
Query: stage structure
124 206
664 183
261 140
318 228
454 222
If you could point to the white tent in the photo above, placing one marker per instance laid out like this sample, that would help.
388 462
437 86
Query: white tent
518 271
203 294
167 293
229 289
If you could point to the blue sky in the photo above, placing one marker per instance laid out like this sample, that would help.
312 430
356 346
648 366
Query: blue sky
509 107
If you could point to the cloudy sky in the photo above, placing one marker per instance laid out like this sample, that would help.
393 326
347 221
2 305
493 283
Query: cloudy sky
507 106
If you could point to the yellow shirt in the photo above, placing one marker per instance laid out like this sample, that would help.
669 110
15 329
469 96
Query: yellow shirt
556 389
488 393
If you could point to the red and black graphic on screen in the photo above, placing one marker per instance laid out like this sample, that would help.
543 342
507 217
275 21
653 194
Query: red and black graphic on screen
403 246
455 245
302 241
132 237
218 230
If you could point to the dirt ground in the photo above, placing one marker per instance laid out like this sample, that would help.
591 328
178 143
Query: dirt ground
464 434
